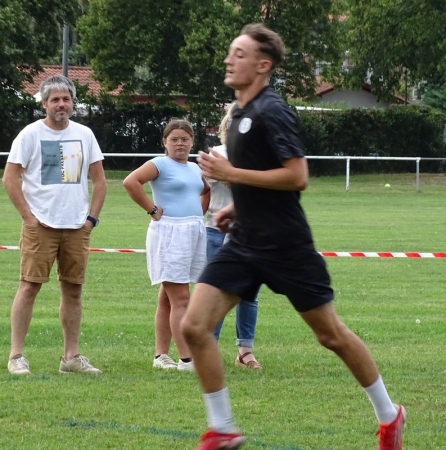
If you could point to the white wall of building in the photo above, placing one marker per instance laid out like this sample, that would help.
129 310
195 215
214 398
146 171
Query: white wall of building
356 99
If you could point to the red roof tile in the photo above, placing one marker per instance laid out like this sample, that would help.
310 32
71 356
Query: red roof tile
83 75
323 86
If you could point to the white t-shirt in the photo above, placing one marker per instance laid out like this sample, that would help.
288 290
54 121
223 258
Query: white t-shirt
220 193
55 179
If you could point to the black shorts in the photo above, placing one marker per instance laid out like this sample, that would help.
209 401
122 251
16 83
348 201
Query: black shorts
300 274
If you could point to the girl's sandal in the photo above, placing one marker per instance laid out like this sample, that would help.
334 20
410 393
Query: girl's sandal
239 361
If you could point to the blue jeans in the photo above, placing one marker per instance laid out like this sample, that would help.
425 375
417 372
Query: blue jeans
245 311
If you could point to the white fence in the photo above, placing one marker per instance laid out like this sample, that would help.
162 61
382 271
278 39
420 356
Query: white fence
379 158
346 158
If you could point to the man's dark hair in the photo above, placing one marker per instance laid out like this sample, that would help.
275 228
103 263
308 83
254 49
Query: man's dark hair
270 43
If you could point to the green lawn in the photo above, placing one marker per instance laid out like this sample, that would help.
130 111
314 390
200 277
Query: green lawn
304 399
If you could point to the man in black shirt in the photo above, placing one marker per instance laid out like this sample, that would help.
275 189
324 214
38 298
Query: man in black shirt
270 242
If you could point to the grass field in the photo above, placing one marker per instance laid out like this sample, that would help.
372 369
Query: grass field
304 399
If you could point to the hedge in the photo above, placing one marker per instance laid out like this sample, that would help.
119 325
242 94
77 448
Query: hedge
137 128
400 131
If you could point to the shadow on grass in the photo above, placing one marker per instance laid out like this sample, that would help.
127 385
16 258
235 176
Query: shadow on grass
91 424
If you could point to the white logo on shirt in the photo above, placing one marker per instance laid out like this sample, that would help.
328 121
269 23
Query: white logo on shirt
245 125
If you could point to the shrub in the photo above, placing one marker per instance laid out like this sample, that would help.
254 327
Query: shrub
400 131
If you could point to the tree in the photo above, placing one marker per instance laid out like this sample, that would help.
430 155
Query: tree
308 29
178 46
29 30
397 41
435 96
75 55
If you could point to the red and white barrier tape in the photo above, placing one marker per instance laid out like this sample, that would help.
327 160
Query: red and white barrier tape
385 254
117 250
95 250
326 254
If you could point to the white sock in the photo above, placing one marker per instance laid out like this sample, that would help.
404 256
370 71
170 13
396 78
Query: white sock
384 408
219 412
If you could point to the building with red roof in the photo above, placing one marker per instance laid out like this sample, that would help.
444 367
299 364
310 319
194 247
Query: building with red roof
83 75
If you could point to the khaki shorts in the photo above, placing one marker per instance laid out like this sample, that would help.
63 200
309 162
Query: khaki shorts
40 246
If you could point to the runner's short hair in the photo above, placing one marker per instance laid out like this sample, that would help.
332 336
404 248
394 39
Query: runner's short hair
270 43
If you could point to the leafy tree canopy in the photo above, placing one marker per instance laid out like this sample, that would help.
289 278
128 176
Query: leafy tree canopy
435 96
29 31
177 46
394 40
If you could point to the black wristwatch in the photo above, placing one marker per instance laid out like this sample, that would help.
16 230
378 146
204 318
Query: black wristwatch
94 221
154 210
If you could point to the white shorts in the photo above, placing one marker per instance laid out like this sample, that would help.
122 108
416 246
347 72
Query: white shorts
176 249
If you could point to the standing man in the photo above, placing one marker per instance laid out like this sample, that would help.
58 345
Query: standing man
270 242
54 157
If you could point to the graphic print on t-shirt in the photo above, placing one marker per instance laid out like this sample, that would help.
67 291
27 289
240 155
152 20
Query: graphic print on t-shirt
61 161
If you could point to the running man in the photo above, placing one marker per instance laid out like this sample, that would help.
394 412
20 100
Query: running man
270 243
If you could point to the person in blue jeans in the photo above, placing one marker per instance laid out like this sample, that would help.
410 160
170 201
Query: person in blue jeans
245 311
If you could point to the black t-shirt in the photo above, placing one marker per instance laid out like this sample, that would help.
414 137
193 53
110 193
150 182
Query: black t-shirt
260 137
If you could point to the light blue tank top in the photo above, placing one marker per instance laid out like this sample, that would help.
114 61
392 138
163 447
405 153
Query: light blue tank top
177 188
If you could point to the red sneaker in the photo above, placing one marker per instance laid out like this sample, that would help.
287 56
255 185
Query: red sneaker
391 434
211 440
